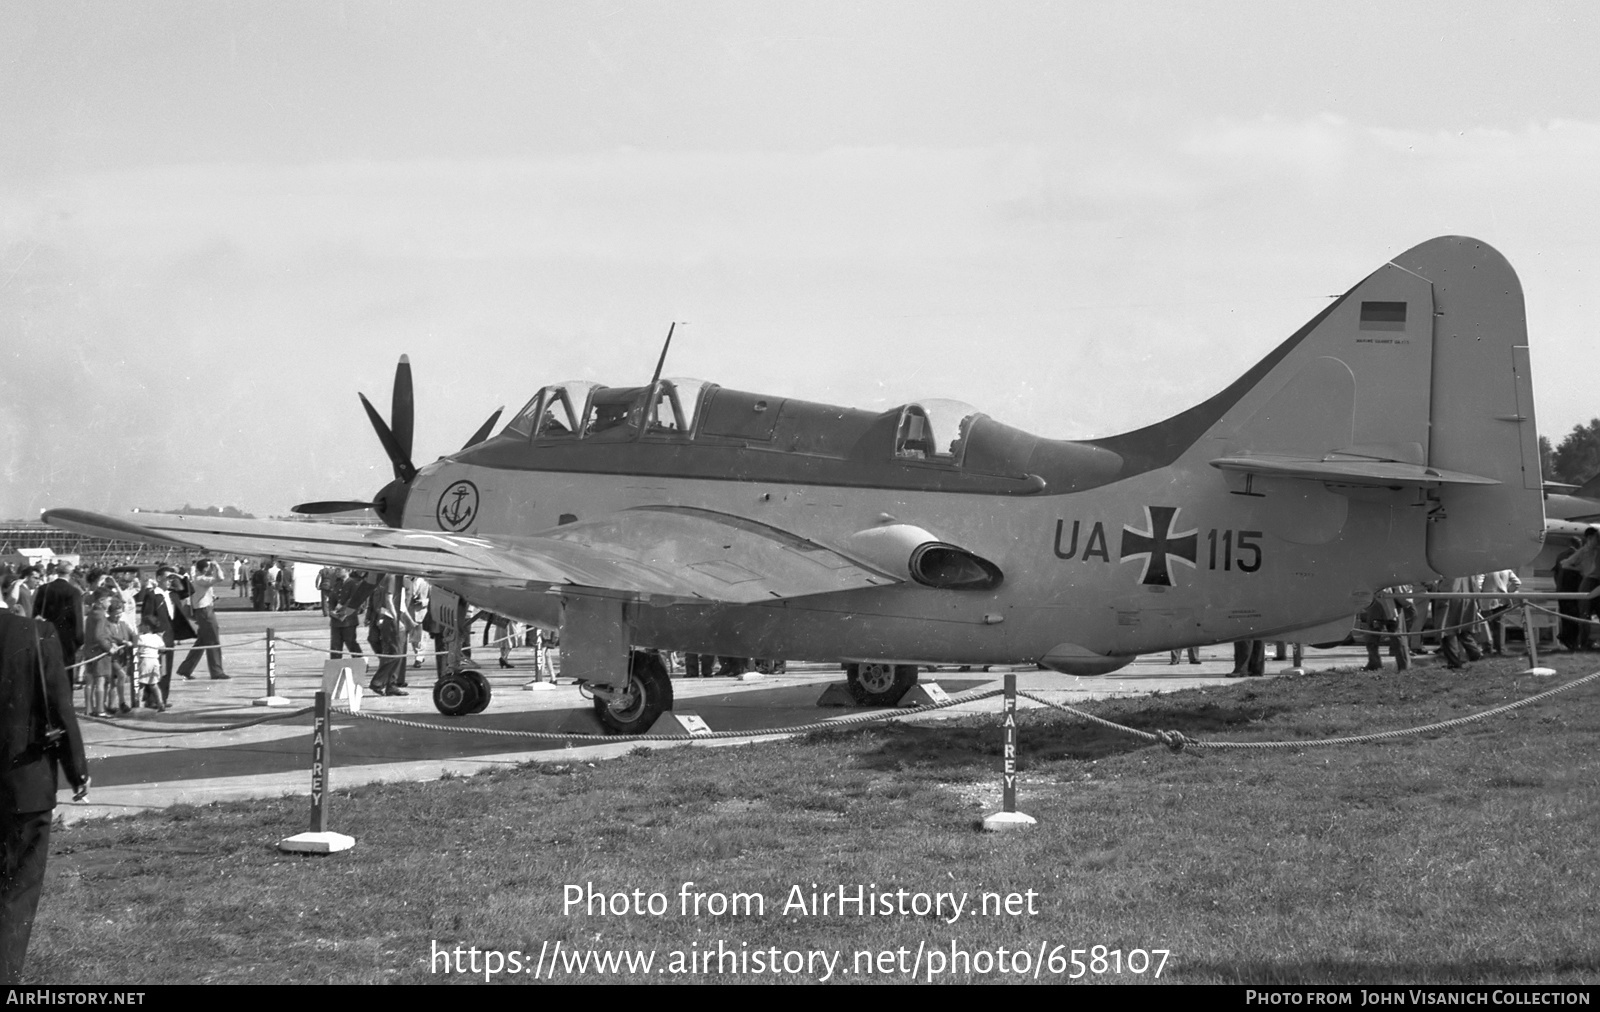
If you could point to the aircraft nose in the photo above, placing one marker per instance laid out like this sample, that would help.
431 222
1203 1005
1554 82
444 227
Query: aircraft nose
390 502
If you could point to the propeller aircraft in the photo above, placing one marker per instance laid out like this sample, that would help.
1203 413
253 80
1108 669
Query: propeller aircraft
1390 439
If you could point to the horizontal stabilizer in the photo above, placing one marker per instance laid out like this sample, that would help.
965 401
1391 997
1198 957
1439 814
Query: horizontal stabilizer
1347 471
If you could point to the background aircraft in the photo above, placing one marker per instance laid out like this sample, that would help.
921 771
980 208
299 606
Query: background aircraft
1390 439
1580 503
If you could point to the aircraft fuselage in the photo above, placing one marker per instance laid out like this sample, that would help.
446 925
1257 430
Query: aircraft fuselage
1112 556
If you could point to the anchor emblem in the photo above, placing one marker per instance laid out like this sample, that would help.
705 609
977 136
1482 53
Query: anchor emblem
458 506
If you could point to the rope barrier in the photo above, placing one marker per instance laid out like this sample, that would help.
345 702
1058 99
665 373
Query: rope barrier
494 643
1428 630
821 725
162 729
1564 618
1177 740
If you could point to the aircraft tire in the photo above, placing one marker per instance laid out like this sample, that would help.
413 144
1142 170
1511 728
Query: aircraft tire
480 685
880 684
650 695
455 696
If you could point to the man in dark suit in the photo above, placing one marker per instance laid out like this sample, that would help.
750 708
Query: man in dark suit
61 604
162 606
34 693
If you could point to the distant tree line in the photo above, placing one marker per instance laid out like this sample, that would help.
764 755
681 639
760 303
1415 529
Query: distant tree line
1576 458
205 511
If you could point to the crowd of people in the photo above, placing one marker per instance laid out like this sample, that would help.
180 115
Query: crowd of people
1460 630
119 631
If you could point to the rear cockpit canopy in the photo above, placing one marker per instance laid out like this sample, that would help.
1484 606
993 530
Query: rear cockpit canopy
934 430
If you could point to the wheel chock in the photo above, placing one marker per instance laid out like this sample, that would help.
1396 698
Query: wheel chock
924 694
751 676
680 723
837 694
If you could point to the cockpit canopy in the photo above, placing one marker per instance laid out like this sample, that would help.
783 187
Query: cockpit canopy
690 428
934 430
579 407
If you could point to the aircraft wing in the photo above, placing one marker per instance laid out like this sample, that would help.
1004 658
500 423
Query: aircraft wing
666 551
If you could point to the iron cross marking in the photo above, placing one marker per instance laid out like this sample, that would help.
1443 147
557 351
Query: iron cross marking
1158 543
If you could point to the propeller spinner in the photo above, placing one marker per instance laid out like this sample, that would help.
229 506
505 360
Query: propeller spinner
390 501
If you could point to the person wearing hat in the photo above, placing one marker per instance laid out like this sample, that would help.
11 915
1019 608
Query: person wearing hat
162 607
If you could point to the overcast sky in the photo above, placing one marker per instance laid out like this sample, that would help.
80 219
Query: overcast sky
218 221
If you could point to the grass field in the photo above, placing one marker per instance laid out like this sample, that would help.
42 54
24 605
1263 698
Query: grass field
1465 857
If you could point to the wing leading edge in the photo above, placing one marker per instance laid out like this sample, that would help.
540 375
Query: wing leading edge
673 552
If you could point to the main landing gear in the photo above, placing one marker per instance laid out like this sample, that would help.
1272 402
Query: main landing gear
462 692
880 684
632 710
648 695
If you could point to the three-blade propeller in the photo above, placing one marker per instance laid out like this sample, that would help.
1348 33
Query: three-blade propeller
396 437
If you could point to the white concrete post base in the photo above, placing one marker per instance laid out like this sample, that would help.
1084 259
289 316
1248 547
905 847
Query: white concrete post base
1001 822
317 843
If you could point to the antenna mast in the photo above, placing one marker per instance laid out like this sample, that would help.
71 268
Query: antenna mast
663 359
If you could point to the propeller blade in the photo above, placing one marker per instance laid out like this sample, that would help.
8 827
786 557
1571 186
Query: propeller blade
403 407
484 429
330 506
403 469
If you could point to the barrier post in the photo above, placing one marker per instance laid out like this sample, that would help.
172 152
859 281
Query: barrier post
271 698
1008 817
320 840
1531 640
541 662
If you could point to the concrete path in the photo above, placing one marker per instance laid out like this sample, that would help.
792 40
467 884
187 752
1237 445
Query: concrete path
154 761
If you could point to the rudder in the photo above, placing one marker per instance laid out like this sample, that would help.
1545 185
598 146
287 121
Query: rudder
1481 416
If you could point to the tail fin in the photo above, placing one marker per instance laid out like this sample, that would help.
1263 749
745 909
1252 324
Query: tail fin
1482 409
1418 376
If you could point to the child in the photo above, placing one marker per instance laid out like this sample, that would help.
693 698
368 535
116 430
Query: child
122 629
150 647
99 645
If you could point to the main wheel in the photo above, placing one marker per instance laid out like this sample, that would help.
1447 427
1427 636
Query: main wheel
455 696
648 696
880 684
480 686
